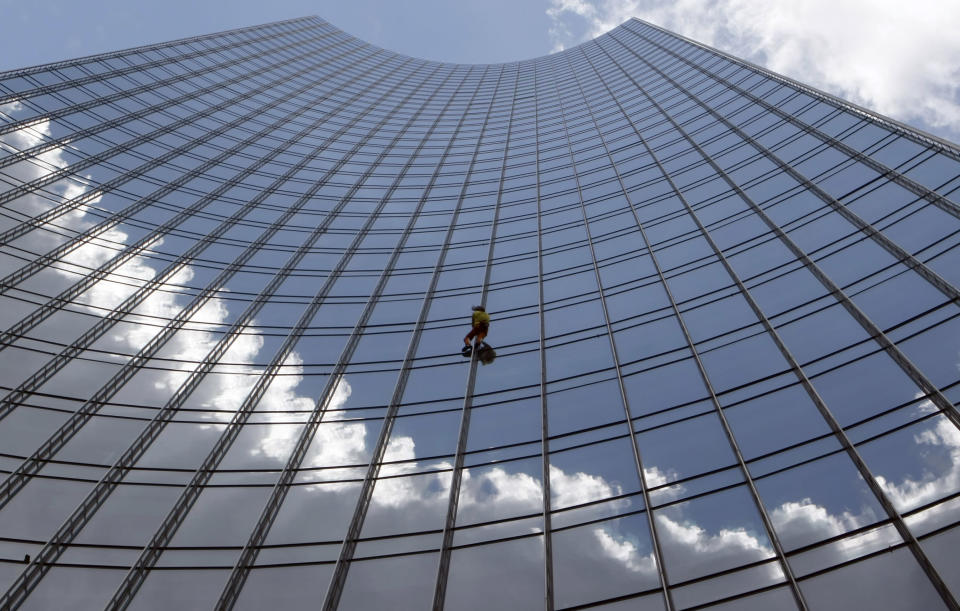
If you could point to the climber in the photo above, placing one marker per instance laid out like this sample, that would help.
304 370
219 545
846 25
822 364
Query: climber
480 324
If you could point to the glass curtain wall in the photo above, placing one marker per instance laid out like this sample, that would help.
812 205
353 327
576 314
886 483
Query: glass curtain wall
238 269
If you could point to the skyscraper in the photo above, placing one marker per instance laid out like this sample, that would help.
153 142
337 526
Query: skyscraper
238 268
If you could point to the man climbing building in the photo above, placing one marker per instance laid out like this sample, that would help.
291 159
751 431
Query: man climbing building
480 324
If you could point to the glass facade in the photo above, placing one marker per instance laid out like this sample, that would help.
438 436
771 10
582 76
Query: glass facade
237 270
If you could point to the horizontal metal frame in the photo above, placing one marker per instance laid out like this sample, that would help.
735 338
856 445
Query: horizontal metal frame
81 515
665 589
67 140
112 184
151 553
136 364
430 295
251 550
345 557
163 45
90 195
875 333
130 303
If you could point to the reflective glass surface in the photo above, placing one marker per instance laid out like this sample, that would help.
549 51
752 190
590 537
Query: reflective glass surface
721 368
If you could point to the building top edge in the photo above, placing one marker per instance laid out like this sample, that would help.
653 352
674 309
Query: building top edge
155 45
950 148
285 22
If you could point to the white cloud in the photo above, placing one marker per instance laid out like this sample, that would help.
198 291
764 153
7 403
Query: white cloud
695 545
625 552
931 484
902 61
655 477
801 522
576 488
334 443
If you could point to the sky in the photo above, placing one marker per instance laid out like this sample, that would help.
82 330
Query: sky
902 63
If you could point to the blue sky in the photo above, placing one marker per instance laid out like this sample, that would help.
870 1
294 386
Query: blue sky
905 64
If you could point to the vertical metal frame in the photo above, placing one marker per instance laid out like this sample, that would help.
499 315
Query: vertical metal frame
352 536
550 602
252 548
312 22
112 184
443 566
718 410
122 94
82 514
306 35
873 331
676 311
102 326
152 552
50 144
